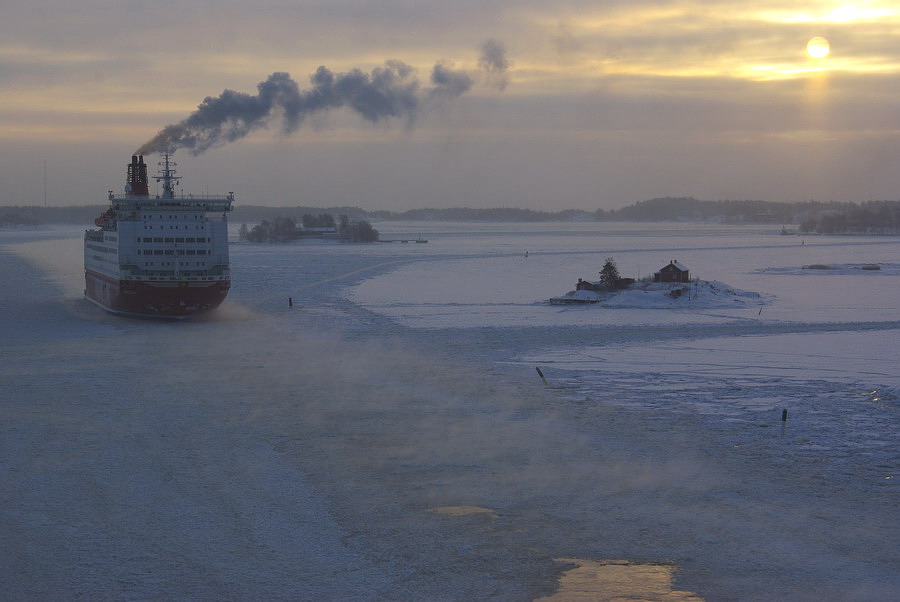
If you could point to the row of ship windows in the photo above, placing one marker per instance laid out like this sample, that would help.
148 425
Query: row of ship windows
173 239
155 251
200 227
161 263
176 216
174 252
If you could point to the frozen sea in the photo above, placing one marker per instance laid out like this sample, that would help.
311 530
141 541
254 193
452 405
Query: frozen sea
388 436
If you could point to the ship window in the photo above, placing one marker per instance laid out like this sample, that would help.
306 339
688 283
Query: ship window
191 252
170 239
169 252
157 240
179 240
158 252
190 240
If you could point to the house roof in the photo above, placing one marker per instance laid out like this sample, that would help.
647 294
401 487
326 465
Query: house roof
676 265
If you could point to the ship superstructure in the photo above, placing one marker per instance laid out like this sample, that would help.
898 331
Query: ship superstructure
159 256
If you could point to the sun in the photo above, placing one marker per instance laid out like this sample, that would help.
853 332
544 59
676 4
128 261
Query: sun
818 47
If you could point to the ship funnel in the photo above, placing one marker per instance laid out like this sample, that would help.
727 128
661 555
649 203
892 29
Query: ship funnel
136 184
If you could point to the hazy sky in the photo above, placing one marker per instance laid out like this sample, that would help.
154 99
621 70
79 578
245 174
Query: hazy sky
546 105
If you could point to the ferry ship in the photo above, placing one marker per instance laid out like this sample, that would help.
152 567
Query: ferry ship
162 256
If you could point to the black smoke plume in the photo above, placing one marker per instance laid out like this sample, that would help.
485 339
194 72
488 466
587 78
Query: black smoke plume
493 60
390 91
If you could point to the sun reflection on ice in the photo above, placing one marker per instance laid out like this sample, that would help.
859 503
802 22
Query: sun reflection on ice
463 511
617 580
600 579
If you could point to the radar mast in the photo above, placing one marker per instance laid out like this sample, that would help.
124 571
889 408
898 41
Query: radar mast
167 175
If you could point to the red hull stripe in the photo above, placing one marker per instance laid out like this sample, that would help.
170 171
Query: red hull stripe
169 299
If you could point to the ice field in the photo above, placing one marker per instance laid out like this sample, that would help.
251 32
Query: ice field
388 436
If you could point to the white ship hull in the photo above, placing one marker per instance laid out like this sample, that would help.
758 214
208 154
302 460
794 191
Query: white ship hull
164 256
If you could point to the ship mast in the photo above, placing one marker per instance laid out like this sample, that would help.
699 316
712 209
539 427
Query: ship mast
167 175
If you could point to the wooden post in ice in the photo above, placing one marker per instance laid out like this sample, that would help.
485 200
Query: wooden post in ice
541 374
784 415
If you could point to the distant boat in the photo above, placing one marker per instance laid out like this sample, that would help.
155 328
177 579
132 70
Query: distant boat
164 256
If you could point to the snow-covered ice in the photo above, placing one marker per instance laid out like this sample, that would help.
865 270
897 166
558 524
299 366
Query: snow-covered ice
388 437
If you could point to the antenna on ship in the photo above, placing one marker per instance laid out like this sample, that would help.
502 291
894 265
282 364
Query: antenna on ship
167 175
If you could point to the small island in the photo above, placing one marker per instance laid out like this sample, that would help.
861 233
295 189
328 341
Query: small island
286 229
671 286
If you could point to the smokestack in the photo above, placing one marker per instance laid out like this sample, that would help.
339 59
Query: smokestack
136 181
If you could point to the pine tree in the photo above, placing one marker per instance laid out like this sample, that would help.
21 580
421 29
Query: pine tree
609 275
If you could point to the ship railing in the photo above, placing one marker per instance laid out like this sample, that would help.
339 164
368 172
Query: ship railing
168 275
176 197
131 270
183 203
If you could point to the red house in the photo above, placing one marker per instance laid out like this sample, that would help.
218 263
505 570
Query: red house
674 272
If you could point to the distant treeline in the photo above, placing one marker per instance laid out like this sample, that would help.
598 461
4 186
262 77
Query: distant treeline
875 217
35 216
